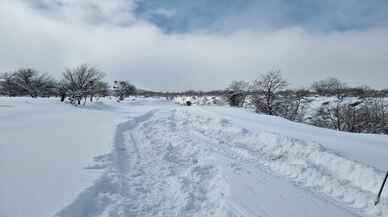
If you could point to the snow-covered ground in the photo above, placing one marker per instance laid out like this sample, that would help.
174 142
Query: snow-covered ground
150 157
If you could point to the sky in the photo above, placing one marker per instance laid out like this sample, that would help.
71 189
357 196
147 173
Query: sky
201 44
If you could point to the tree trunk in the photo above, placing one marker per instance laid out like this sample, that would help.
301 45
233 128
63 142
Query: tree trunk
338 118
269 105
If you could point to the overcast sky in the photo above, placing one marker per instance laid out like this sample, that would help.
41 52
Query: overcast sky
199 44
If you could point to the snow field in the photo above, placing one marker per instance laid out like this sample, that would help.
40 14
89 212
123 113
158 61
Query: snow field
171 160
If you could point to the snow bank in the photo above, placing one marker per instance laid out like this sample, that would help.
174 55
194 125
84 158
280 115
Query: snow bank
307 163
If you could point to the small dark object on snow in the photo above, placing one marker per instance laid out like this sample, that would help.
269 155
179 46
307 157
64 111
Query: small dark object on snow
188 103
381 189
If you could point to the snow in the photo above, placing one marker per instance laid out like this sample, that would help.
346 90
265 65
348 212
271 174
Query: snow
150 157
369 149
44 146
200 100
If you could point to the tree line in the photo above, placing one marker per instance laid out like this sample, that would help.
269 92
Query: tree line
76 86
269 95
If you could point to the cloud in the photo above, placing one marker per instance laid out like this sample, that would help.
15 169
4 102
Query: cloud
118 12
143 53
164 12
229 15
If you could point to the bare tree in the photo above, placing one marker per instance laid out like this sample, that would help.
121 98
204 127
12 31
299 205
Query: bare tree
81 81
8 86
44 85
329 87
24 79
236 93
123 89
62 89
372 116
365 115
269 84
27 81
102 89
289 104
239 86
332 116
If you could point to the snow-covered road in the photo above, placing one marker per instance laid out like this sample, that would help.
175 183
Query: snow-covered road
170 160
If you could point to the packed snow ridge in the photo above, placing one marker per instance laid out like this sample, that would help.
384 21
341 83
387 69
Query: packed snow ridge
172 160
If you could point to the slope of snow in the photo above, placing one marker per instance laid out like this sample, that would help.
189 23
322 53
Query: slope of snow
45 147
366 148
286 150
171 160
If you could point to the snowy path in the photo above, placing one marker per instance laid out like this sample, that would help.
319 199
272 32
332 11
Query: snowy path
179 161
168 160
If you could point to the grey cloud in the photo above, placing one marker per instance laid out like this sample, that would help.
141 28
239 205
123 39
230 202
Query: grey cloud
229 15
117 12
